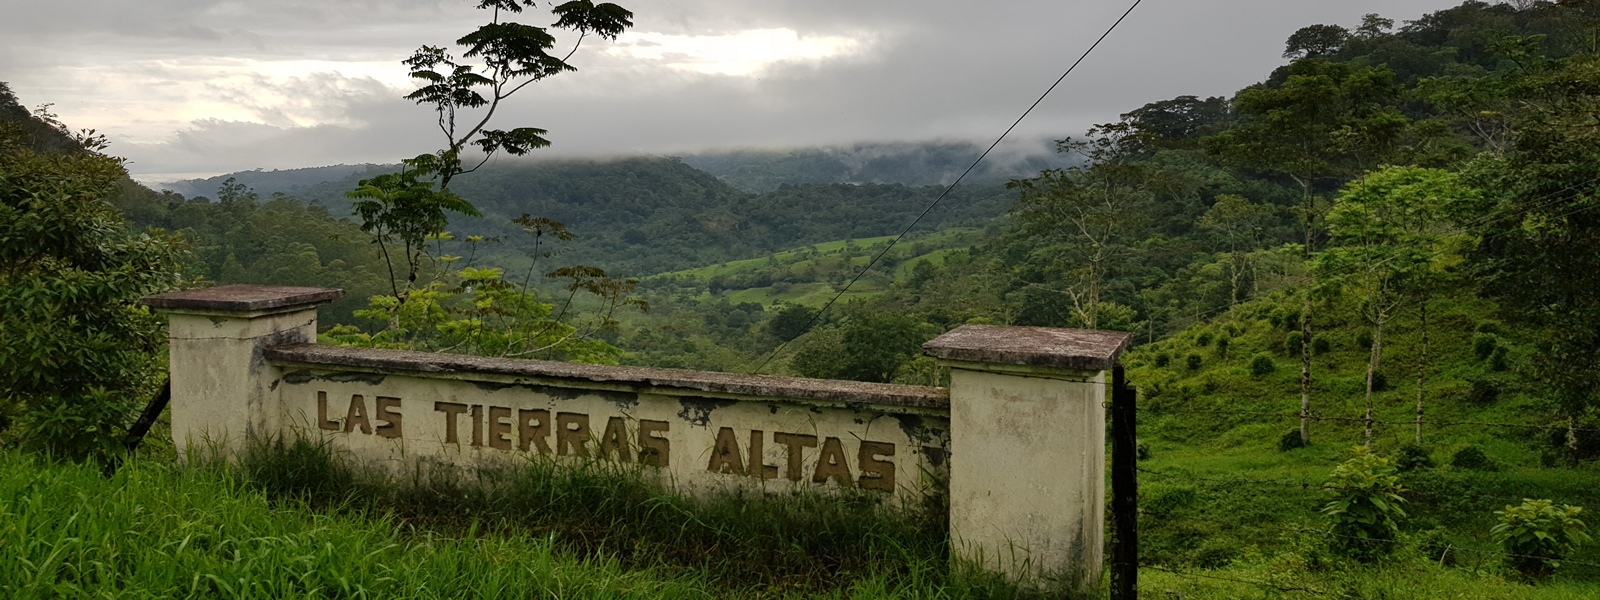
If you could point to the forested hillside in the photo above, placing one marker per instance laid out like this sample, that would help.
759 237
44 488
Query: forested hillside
639 216
933 163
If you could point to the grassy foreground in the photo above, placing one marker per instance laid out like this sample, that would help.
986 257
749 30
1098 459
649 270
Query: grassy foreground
159 531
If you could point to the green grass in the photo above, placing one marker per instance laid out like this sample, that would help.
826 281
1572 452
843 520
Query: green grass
291 523
155 531
1220 500
811 274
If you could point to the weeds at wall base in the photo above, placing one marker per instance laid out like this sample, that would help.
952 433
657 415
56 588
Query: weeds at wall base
801 541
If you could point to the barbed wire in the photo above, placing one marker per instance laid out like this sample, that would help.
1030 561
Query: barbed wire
1261 584
1277 415
1307 485
1447 548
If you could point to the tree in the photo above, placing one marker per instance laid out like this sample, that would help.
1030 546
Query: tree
1316 40
1082 215
408 206
1393 228
1237 223
405 211
510 57
1325 123
1540 223
78 355
867 346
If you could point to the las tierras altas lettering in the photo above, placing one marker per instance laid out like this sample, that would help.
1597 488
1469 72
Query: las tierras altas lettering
803 456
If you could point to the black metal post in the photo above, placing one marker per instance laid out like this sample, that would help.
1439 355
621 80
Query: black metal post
141 427
1124 488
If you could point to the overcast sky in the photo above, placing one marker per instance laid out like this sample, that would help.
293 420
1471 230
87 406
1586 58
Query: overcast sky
200 87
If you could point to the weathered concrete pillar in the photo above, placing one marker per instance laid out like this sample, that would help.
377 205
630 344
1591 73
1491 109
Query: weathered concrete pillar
219 381
1027 448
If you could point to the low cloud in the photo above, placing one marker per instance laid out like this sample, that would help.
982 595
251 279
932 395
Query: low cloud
212 85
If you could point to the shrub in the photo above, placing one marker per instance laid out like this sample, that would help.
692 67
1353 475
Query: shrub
1498 362
78 355
1290 441
1364 506
1193 361
1163 359
1364 339
1222 346
1262 365
1320 345
1484 344
1537 534
1489 327
1380 382
1483 392
1472 458
1294 344
1203 340
1411 457
1143 451
1291 320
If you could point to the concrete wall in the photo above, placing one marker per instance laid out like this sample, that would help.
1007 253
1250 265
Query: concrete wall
411 409
1016 446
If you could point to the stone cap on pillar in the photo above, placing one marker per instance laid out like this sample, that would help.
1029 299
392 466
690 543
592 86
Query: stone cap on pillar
242 300
1047 347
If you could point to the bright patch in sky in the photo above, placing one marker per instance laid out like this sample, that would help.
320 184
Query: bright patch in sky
737 54
149 100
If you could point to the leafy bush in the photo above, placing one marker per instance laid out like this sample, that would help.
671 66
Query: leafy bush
1365 506
1537 534
1320 345
1484 344
78 355
1483 392
1222 346
1163 359
1193 361
1203 340
1294 344
1262 365
1489 327
1291 440
1498 361
1380 382
1411 457
1364 339
1472 458
1291 320
1143 451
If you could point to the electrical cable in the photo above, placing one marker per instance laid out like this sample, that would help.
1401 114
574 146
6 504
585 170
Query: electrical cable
947 189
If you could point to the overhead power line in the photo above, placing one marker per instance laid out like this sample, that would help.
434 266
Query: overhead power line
879 256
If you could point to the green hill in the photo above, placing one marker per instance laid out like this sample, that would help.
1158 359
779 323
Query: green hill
1226 482
638 216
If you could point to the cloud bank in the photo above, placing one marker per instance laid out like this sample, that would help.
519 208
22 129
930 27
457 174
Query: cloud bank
205 86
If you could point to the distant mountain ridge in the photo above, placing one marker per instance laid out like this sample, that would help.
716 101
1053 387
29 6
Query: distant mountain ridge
754 171
267 183
906 163
646 215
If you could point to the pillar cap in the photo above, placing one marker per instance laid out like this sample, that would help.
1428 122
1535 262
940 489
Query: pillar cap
1072 349
245 300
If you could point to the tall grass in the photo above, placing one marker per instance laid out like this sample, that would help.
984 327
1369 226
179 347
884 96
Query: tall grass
291 521
159 532
804 542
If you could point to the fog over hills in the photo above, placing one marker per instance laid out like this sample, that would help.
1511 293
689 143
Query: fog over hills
750 170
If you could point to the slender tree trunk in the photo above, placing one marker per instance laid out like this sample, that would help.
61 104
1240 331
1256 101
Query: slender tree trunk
1372 371
1306 314
1572 440
1305 371
1422 370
